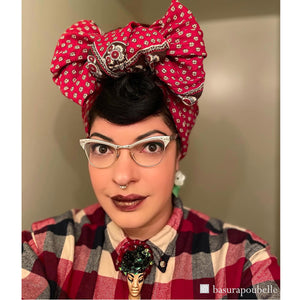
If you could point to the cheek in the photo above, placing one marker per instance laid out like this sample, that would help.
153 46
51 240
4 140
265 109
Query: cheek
98 178
163 176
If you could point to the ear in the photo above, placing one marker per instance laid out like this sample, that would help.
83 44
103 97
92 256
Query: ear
177 161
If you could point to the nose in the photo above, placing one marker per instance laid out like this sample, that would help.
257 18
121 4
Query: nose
135 283
125 170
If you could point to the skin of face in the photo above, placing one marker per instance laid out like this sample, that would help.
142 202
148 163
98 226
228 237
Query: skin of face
156 183
135 283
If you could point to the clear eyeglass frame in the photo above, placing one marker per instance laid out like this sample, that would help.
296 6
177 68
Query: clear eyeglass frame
164 139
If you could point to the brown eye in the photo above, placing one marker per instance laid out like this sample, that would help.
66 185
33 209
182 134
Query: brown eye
100 149
153 147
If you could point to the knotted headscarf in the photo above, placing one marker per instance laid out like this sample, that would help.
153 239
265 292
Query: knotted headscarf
172 47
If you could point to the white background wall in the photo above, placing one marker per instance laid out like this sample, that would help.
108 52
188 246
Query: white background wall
232 166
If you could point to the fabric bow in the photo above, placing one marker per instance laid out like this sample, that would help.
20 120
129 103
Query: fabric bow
172 47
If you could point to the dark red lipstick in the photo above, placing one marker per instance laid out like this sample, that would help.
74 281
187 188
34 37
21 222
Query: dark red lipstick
129 202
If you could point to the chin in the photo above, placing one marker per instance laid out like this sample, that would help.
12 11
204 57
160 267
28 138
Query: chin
130 222
128 219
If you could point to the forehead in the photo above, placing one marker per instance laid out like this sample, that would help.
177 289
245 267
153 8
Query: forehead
129 132
137 275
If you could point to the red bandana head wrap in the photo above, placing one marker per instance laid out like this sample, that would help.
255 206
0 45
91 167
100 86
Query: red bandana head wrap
172 47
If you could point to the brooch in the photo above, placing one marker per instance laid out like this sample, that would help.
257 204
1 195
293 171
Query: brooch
135 261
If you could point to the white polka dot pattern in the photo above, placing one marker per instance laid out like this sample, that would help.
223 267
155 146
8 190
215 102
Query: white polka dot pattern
172 47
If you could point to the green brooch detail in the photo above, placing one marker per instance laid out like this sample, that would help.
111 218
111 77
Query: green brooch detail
135 257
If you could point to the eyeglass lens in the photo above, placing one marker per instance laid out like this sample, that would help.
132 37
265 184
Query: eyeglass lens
147 154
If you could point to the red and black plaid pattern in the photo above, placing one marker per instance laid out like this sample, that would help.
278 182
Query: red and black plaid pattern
195 257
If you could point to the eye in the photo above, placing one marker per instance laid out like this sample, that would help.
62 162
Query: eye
153 147
141 279
100 149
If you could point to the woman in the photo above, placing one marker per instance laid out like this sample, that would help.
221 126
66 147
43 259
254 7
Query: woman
138 87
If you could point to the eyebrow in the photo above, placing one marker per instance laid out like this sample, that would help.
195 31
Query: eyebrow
140 137
102 137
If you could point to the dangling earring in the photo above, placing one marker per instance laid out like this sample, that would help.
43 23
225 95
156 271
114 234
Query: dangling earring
178 182
179 178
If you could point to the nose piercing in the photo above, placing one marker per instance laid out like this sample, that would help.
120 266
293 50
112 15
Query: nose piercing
123 187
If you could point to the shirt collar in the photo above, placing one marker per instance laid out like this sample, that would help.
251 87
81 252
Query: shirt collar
162 244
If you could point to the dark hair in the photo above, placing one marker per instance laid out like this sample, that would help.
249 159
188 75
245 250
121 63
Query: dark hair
130 99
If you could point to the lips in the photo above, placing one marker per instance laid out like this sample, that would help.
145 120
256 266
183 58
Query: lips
129 202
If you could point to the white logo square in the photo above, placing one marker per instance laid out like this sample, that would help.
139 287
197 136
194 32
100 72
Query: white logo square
204 288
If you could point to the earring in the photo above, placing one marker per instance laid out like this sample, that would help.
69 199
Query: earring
178 182
179 178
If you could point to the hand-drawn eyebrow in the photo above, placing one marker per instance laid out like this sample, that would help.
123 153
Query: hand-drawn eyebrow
102 137
140 137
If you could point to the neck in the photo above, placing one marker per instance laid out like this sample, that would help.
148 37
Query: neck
141 234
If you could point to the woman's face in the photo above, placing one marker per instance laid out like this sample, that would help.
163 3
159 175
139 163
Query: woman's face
135 283
149 204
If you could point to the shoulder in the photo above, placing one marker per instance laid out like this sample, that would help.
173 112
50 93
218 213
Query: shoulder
220 235
69 225
88 215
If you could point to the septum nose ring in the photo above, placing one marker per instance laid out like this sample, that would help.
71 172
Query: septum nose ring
123 187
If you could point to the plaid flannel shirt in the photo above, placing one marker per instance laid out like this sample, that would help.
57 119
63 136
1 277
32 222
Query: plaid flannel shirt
74 256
